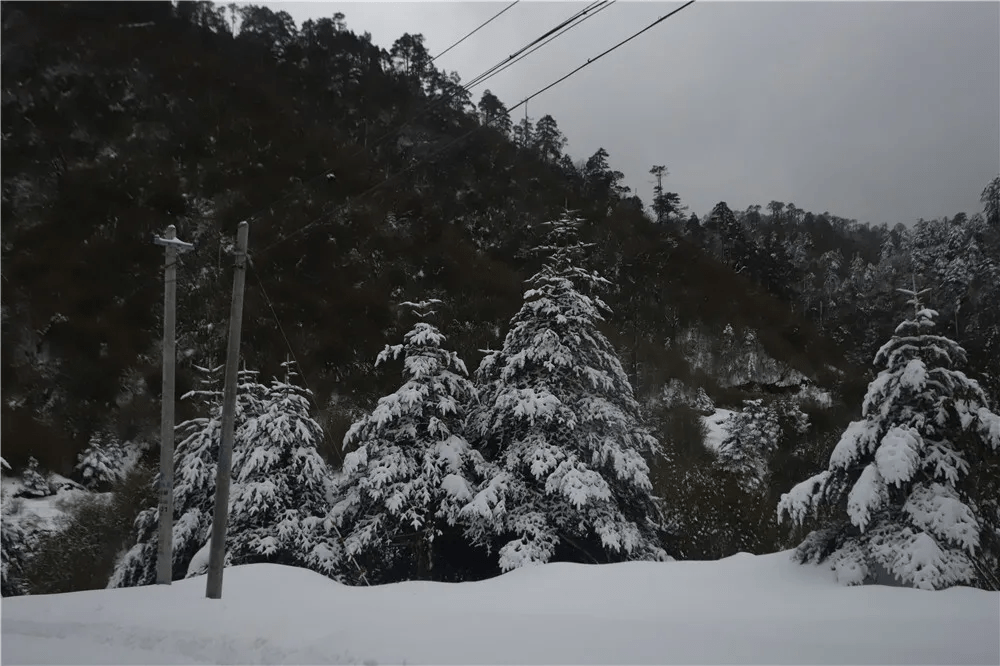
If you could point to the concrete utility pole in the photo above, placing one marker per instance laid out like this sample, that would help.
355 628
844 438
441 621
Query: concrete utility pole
217 549
164 551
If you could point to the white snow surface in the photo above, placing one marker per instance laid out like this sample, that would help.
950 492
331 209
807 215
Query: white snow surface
46 514
716 426
744 609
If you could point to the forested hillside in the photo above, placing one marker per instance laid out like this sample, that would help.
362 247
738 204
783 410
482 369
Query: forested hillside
371 179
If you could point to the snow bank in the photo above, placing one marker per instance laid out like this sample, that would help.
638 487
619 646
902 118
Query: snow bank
743 609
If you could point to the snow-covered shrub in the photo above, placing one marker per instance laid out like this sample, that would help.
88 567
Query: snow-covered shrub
912 486
81 553
558 418
102 464
412 469
33 484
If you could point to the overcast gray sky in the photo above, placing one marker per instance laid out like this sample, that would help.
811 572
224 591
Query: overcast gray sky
879 111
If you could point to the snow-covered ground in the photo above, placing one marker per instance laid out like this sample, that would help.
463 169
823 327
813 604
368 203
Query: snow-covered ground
716 428
44 514
744 609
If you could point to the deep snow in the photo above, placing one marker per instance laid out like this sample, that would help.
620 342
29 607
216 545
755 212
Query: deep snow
744 609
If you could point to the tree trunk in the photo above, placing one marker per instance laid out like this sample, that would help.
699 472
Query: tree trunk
422 552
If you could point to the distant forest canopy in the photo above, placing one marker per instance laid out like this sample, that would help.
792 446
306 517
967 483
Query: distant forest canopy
371 178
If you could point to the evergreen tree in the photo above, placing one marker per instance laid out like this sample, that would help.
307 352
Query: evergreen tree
912 487
32 481
751 439
603 182
410 56
558 419
732 245
493 113
523 133
666 205
990 199
195 460
102 463
281 485
548 140
412 469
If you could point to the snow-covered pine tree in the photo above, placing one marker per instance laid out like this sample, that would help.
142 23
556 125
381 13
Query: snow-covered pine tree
412 470
33 484
906 488
281 485
195 459
751 439
102 463
557 417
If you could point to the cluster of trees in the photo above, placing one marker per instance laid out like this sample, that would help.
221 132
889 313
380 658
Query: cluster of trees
103 150
544 456
842 274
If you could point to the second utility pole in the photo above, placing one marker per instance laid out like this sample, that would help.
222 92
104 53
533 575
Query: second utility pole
217 549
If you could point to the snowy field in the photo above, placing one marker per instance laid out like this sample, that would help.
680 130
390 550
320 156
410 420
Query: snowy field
741 610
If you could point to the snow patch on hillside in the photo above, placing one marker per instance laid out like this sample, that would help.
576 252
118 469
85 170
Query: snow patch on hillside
715 427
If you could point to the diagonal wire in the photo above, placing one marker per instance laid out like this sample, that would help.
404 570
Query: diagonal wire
481 26
511 63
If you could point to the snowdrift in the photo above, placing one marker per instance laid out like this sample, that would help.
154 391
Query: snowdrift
744 609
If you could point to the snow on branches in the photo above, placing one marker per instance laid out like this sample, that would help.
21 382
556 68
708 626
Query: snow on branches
412 470
558 419
909 487
281 487
103 463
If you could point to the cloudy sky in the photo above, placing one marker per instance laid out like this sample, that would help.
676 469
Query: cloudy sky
879 111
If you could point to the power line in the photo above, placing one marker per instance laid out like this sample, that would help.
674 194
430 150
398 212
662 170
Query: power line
481 26
384 182
601 55
550 39
479 78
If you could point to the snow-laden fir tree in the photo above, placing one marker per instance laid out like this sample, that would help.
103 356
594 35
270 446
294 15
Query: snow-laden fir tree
412 469
102 464
33 484
754 434
911 488
13 546
281 489
557 418
751 439
195 459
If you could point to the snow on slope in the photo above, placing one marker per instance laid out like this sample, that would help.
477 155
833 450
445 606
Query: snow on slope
744 609
45 514
715 426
